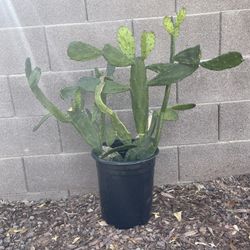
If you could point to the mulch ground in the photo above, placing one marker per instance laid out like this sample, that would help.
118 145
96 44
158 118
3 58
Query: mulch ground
210 215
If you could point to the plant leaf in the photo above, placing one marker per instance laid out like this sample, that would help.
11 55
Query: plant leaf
98 74
89 84
33 80
158 67
77 102
181 107
112 87
170 115
83 124
171 73
126 41
144 149
110 70
110 134
190 56
68 92
75 240
181 15
178 216
147 43
44 119
28 68
168 25
115 56
80 51
225 61
120 128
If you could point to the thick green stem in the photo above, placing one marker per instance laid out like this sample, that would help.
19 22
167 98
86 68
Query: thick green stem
139 95
166 95
109 72
103 119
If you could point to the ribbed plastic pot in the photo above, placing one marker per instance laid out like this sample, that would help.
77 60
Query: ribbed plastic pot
126 191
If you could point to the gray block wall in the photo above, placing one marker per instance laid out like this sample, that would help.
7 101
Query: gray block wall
209 141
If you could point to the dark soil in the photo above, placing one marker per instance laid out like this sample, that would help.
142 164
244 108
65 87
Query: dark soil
211 215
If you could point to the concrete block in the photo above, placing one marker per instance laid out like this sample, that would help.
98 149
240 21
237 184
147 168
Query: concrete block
77 172
60 172
120 100
161 51
18 44
6 107
206 86
97 34
166 168
18 139
12 178
236 31
99 10
197 6
199 125
51 83
156 95
72 142
14 13
36 196
235 121
203 30
205 162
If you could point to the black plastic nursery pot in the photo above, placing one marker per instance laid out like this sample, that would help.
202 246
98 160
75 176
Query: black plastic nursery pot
126 191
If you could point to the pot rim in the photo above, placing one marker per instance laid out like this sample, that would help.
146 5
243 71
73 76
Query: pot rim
124 163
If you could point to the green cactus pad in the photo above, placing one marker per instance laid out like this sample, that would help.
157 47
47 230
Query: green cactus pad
182 107
181 15
225 61
170 115
28 68
68 92
126 41
89 84
168 25
116 57
78 101
171 73
110 134
83 124
147 43
117 124
158 67
139 95
33 77
111 87
190 56
80 51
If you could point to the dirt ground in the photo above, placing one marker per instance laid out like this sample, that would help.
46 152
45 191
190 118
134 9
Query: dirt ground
209 215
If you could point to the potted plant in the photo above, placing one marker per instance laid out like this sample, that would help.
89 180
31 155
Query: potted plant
125 164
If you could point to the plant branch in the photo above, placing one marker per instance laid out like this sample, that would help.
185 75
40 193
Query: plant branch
167 92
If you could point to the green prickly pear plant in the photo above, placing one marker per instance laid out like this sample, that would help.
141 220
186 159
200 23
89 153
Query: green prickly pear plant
101 127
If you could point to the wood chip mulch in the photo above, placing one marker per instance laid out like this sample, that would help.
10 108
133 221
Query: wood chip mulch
209 215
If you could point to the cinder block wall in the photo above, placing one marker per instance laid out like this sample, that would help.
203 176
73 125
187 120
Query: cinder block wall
209 141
